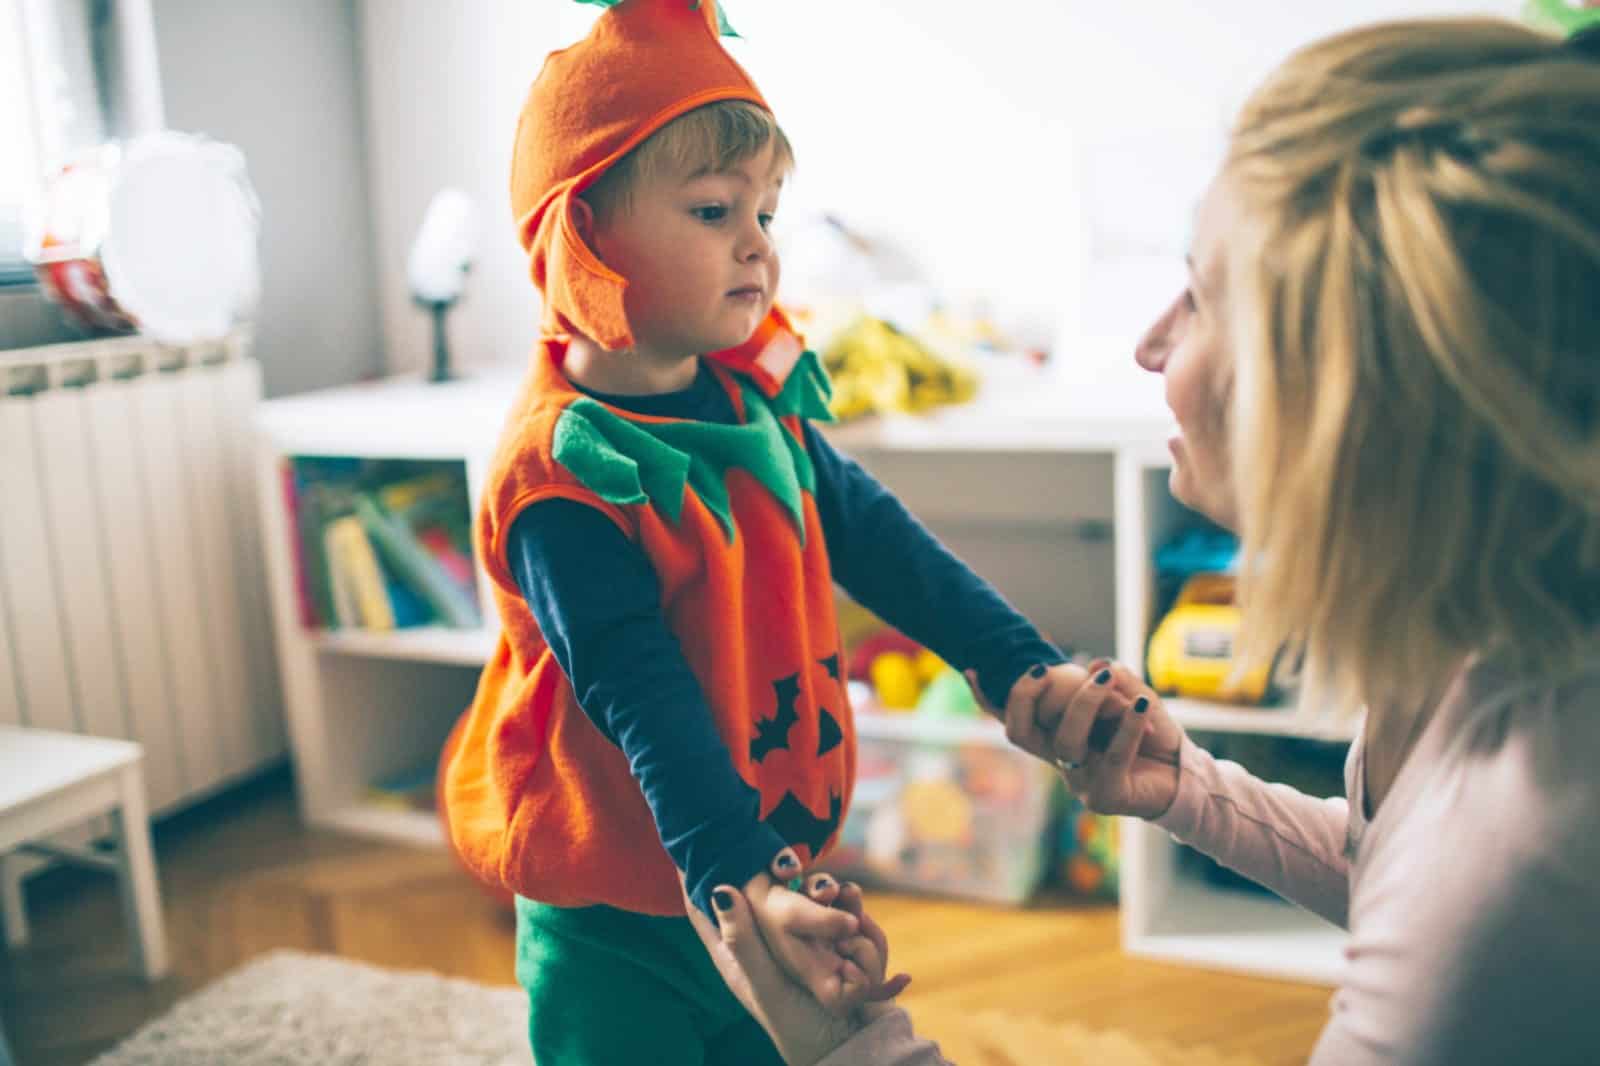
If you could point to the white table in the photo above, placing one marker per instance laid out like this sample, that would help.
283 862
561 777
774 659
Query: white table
50 782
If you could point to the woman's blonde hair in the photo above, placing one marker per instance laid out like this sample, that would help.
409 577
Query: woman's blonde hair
713 138
1414 286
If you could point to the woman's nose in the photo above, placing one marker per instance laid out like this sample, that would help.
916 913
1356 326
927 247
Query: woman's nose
1151 351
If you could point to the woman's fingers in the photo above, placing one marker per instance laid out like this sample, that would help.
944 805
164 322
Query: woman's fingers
1071 740
1120 753
737 928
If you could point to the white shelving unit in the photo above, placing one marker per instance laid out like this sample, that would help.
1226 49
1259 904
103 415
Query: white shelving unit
1059 500
1168 912
362 706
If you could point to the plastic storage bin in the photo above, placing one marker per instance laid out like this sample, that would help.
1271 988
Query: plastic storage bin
946 807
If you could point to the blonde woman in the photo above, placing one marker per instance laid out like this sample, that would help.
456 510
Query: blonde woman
1386 370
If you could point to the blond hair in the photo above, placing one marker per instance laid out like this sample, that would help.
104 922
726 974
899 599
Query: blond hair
713 139
1415 287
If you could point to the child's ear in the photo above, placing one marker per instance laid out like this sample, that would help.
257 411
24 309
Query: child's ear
583 222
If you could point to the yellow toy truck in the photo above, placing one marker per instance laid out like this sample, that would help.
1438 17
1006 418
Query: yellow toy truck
1191 653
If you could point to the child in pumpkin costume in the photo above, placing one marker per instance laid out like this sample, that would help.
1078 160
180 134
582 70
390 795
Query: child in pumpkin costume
663 526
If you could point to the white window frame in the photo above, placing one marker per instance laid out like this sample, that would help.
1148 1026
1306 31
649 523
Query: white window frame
41 85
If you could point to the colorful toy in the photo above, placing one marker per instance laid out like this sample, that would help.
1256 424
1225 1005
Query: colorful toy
874 641
878 369
894 678
947 695
1088 859
905 676
960 817
1192 650
1198 551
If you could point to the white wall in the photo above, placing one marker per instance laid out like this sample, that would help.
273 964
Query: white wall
1040 156
443 85
281 81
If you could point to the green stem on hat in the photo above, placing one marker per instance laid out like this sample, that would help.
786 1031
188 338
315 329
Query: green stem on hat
724 27
1565 17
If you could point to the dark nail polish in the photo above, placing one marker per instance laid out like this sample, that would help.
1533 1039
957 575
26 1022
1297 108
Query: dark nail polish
1037 672
788 862
822 883
723 899
1141 705
1102 677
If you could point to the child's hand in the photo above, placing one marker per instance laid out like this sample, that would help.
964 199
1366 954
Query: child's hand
868 949
807 937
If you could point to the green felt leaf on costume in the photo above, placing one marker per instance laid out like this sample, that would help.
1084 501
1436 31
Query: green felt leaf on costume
626 462
617 460
807 391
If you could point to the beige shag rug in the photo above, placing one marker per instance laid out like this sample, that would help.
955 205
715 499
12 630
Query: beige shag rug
291 1009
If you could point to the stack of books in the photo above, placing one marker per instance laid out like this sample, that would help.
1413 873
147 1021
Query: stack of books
382 544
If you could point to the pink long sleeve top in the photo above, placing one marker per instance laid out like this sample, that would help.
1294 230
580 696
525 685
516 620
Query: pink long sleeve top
1472 897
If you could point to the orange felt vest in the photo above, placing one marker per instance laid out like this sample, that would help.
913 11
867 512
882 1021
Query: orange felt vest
537 799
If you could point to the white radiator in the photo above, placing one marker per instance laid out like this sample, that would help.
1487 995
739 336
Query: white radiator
132 598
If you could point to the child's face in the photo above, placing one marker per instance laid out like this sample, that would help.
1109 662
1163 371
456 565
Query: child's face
698 256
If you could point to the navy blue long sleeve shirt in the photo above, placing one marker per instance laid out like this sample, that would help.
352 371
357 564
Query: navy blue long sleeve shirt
597 600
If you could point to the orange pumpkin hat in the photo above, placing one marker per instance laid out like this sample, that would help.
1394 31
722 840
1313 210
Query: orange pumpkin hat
644 63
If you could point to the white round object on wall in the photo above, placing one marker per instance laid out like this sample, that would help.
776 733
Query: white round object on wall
157 234
180 249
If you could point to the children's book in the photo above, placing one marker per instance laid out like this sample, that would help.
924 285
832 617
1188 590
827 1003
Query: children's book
415 566
355 564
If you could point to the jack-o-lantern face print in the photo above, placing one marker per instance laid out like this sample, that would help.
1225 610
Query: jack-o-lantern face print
797 756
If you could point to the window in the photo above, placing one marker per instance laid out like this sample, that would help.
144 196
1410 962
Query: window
73 73
18 153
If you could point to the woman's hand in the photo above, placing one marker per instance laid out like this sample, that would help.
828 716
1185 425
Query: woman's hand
1134 770
804 1031
1103 728
805 934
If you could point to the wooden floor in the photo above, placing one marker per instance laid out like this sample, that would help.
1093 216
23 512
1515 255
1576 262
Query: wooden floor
242 876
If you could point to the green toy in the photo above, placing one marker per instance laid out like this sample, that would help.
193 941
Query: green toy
948 696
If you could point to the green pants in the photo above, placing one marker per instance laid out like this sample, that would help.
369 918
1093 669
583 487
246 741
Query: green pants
610 987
